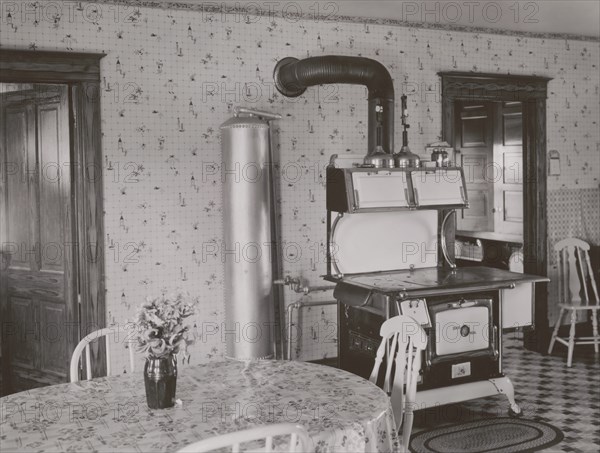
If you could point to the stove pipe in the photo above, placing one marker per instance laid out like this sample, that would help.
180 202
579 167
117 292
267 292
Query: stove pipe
293 76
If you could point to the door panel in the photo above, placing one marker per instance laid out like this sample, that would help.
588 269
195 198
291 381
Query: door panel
508 153
478 203
513 206
23 332
474 129
513 167
19 135
30 284
38 288
474 141
51 212
512 124
53 344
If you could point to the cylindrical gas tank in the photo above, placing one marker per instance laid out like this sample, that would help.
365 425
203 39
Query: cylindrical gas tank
247 238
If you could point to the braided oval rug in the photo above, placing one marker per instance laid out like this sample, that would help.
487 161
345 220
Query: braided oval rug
507 435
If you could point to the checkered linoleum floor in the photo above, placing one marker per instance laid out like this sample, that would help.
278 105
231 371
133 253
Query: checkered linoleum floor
546 390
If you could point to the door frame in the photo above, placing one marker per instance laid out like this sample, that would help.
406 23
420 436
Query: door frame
81 72
532 92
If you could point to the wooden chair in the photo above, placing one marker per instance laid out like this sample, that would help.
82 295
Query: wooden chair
575 278
404 340
107 333
299 440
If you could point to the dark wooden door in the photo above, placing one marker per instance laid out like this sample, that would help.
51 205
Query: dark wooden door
38 285
474 140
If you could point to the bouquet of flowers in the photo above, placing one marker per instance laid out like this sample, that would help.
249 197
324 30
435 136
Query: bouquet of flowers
159 325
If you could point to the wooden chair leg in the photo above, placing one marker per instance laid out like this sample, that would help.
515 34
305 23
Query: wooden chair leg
555 332
595 329
572 338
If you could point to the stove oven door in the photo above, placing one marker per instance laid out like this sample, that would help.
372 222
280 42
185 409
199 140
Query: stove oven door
463 342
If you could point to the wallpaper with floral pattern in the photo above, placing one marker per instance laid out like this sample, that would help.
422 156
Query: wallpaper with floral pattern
171 77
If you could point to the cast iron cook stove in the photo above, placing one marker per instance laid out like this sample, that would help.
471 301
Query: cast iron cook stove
384 228
383 223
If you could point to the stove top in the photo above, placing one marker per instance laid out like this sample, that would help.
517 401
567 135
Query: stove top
432 280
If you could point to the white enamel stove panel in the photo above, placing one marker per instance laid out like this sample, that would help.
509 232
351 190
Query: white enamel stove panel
384 241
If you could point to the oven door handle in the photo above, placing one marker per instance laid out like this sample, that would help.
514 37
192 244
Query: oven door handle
495 350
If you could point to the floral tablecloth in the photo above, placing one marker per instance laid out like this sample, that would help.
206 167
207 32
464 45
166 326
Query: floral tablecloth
342 412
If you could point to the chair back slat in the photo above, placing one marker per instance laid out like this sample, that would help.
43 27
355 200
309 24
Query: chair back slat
88 361
107 342
387 387
581 272
402 361
378 360
269 444
592 278
293 443
409 360
574 285
560 268
412 388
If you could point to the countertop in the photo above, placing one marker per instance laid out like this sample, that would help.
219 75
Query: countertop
432 280
491 236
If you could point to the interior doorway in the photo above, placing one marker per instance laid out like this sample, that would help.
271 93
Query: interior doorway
39 290
51 214
488 141
531 92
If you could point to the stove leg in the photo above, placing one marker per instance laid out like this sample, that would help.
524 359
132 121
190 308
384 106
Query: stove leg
505 386
469 391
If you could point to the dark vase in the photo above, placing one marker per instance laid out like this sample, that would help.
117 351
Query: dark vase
160 377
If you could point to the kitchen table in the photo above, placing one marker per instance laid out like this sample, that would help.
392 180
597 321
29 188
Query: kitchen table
341 411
